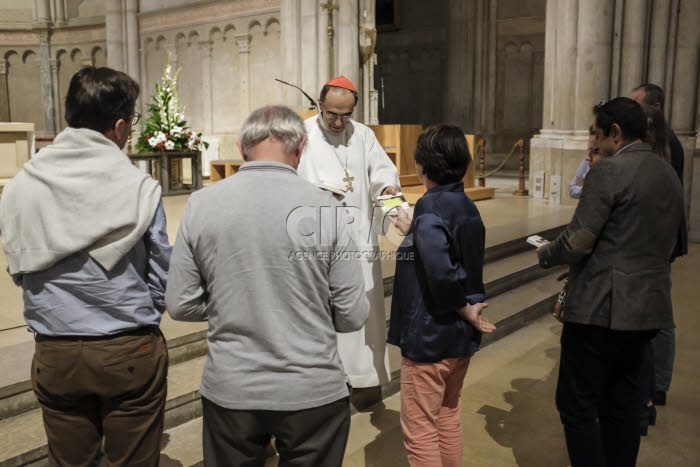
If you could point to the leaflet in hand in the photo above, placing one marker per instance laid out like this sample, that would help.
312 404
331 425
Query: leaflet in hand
335 189
536 240
391 202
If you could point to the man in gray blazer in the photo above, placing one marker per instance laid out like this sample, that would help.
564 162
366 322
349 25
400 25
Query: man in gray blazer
618 245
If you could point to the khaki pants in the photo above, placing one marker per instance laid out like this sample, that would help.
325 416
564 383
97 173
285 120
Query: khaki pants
430 411
112 387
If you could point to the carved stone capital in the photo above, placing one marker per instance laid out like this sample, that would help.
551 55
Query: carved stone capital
206 47
44 36
3 67
243 43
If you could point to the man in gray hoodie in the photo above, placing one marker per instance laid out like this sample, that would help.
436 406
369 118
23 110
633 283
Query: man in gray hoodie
265 257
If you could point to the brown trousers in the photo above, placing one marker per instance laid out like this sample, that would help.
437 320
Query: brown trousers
112 387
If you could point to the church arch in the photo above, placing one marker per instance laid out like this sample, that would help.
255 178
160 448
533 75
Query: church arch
24 88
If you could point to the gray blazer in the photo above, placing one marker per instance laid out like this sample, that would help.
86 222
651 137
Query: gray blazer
619 243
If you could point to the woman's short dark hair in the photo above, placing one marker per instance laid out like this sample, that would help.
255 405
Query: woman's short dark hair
98 97
443 154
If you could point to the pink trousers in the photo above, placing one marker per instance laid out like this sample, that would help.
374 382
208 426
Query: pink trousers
430 411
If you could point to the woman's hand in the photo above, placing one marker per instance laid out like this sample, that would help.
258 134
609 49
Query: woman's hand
400 221
473 315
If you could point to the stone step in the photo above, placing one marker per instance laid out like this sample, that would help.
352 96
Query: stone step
23 440
508 264
182 445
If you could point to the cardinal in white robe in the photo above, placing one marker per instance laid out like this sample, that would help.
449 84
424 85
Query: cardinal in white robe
342 152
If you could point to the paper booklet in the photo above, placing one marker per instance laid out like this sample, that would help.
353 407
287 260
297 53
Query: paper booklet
335 189
391 202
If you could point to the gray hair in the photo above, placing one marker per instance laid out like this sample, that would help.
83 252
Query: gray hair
275 120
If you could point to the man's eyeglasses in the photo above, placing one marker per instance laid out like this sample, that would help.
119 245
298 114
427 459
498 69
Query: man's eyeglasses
135 118
333 116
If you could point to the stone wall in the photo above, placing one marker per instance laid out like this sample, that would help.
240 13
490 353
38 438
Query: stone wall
477 64
228 55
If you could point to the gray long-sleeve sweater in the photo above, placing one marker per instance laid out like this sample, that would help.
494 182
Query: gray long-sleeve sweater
263 256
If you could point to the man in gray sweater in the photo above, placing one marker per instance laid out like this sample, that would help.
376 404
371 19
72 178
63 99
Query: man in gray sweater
265 257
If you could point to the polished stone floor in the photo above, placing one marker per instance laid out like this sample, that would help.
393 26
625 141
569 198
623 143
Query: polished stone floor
508 413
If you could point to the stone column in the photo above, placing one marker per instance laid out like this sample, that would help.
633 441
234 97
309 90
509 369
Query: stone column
480 60
658 39
685 86
671 58
634 34
54 79
60 10
323 44
565 65
4 95
492 45
42 11
685 89
47 83
114 30
290 45
367 43
205 52
348 61
132 38
243 43
460 64
595 24
550 43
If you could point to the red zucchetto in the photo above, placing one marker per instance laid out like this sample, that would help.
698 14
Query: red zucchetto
342 82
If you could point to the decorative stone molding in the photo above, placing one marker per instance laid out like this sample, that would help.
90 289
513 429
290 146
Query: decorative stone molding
193 14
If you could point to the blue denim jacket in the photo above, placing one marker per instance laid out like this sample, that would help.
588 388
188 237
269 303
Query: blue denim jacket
438 270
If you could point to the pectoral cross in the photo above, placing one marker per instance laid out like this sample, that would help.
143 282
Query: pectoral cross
348 179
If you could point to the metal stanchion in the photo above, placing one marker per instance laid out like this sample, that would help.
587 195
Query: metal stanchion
521 191
482 156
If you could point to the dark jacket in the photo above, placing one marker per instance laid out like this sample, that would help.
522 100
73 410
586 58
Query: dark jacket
619 243
677 161
438 270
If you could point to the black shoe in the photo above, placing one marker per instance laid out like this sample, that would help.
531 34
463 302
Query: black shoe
659 398
652 415
644 430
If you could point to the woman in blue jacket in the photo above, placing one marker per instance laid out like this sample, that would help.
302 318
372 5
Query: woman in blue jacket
436 310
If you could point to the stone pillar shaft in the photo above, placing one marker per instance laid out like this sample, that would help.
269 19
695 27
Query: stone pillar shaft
348 62
47 84
114 30
132 38
685 86
290 38
634 34
460 65
205 49
54 79
4 95
565 65
595 24
660 17
243 43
